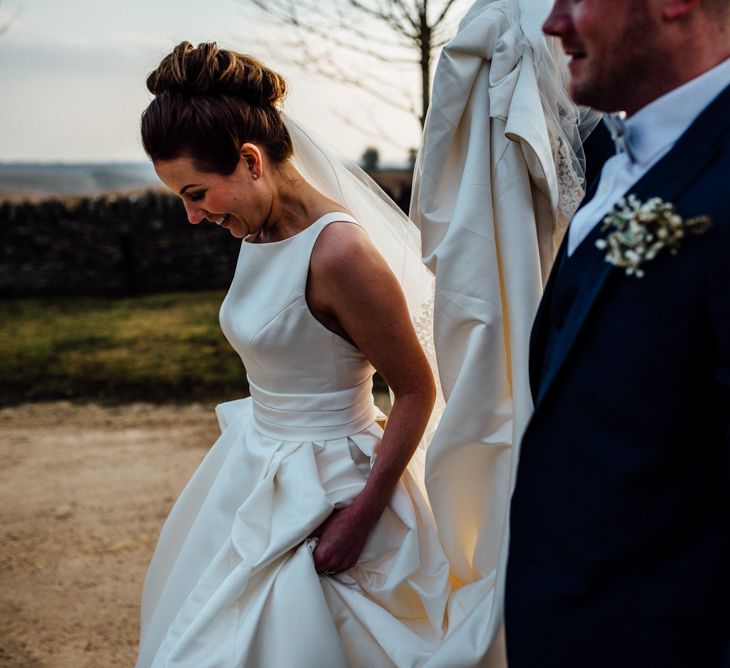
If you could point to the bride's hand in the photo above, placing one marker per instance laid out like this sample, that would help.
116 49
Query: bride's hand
341 539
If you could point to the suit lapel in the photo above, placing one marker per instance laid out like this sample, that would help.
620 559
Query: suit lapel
667 179
540 327
541 324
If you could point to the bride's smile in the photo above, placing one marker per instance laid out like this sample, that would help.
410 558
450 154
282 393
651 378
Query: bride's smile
234 201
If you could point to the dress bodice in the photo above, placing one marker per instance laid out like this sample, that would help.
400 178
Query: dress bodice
301 375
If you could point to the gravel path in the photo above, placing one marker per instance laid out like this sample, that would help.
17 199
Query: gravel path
83 493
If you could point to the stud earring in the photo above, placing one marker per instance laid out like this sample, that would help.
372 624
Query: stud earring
255 176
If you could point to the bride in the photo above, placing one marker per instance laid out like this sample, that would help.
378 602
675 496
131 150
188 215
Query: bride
304 538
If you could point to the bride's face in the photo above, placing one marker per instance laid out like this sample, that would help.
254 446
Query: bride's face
239 201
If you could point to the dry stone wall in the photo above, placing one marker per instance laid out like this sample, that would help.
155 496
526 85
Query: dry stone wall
110 246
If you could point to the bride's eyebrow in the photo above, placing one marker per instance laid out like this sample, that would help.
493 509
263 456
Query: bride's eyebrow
190 185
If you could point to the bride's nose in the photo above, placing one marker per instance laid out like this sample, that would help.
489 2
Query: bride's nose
195 214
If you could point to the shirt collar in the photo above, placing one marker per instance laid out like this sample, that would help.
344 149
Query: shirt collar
660 123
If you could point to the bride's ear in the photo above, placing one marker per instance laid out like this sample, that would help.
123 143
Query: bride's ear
253 159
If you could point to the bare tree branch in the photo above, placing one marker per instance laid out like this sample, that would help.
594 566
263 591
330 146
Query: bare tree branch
326 65
4 27
445 11
341 43
399 5
380 16
289 13
392 32
345 24
392 99
373 128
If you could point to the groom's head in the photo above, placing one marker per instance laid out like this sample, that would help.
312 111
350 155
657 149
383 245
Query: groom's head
626 53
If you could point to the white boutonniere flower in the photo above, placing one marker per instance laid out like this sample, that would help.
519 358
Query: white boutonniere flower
641 231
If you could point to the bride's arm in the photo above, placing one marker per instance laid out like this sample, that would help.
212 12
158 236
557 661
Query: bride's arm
353 292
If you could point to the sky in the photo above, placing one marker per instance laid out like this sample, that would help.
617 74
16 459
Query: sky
72 78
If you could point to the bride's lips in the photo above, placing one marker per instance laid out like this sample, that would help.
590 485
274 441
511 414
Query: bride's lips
223 221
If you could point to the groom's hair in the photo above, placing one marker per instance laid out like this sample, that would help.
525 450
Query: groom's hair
208 103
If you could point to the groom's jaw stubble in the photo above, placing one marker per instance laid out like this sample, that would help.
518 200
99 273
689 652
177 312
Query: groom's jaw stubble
617 58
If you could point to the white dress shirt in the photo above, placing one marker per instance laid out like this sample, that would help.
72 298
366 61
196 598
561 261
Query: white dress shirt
653 131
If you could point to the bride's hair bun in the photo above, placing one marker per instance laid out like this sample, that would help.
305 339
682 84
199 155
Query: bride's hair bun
208 103
208 70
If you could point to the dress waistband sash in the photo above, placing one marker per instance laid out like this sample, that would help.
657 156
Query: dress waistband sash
311 417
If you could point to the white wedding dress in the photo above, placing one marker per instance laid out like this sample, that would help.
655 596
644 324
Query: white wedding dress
232 582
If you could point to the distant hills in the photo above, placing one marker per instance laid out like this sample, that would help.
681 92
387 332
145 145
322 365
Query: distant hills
27 181
36 181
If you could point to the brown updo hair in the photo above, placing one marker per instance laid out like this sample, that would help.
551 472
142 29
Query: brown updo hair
208 102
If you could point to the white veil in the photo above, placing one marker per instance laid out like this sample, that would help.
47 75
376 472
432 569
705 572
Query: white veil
392 232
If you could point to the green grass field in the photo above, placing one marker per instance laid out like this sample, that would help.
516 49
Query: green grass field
159 348
165 348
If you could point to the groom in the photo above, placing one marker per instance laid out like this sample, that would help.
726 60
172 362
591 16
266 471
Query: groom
620 519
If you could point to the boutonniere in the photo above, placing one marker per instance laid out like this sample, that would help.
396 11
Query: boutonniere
641 231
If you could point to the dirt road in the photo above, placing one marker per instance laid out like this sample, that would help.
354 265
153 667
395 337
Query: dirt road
83 493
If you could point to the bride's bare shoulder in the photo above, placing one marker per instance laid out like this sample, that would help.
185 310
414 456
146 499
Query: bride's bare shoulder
342 247
346 270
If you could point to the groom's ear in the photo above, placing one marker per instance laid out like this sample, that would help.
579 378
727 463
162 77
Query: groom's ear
677 9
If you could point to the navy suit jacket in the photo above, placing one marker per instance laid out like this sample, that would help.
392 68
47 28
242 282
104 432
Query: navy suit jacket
620 518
